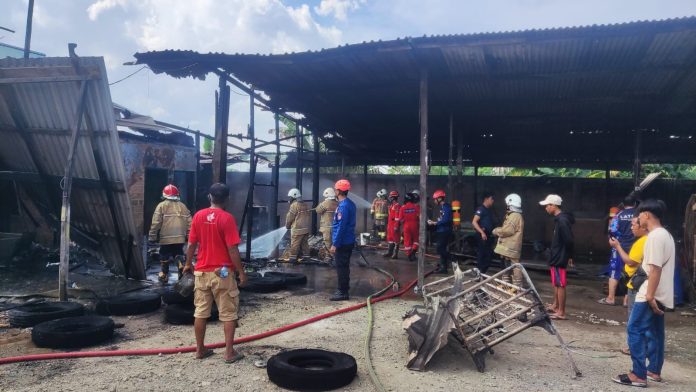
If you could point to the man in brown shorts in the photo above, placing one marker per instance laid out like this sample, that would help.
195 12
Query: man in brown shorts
214 233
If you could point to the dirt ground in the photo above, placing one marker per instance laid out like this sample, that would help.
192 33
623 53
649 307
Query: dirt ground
531 361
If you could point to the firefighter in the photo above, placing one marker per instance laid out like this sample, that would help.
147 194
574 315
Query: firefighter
379 213
509 235
170 226
393 234
409 216
297 221
325 211
443 228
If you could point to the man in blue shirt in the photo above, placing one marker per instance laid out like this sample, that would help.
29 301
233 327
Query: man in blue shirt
443 229
620 228
483 223
343 239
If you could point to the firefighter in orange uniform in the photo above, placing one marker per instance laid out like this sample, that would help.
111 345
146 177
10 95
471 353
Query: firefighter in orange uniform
409 216
393 234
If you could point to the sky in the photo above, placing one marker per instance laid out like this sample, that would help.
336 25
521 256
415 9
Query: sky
115 29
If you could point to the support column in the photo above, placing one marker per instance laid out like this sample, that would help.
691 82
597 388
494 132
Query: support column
637 165
423 116
315 181
365 196
298 153
460 165
450 161
63 266
198 169
27 34
274 222
252 177
476 186
222 113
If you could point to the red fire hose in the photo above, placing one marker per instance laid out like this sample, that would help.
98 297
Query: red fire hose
157 351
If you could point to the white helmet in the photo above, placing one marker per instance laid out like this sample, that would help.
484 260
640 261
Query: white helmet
415 192
514 202
329 193
382 193
295 193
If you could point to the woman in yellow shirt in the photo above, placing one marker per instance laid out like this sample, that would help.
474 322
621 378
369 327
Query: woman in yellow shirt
631 260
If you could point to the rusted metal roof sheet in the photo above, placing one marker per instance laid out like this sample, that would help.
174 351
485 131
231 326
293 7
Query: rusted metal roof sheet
38 102
551 96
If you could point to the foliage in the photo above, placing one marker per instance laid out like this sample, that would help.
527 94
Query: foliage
207 146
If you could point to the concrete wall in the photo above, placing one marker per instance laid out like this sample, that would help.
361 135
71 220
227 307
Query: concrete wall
140 155
588 199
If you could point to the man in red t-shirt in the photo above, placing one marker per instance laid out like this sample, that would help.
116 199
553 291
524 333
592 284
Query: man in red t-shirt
214 233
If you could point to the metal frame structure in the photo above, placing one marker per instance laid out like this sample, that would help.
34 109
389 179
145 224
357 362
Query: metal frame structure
479 311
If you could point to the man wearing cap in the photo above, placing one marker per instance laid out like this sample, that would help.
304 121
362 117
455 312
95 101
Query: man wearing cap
561 253
343 239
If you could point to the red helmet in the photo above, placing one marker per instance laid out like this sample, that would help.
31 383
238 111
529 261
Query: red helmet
170 192
342 185
439 193
394 194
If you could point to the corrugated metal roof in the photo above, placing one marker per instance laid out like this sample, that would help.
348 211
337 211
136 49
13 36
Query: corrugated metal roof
42 112
536 95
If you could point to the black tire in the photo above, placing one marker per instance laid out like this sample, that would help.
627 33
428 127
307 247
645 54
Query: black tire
129 303
263 285
290 278
32 314
253 275
311 370
73 332
172 297
182 314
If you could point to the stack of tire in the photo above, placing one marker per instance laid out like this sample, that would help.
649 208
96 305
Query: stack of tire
180 309
61 324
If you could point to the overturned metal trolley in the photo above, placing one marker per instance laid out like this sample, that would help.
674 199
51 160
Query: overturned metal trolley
478 311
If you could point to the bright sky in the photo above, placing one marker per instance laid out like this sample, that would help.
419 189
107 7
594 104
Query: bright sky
115 29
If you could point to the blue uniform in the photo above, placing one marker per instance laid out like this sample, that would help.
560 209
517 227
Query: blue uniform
344 223
444 221
344 240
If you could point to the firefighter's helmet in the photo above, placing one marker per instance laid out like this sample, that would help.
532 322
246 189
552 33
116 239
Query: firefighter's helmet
294 193
439 194
170 192
382 193
393 195
514 202
342 185
329 193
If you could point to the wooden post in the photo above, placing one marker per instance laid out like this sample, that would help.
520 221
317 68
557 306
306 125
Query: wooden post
365 195
222 113
450 161
315 181
252 178
637 166
423 116
276 177
63 266
27 34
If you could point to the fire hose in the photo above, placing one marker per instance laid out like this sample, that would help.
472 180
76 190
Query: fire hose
166 351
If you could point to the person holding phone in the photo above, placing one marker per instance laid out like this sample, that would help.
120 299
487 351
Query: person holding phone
646 324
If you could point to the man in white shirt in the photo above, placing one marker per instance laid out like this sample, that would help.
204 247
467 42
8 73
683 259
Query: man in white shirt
646 325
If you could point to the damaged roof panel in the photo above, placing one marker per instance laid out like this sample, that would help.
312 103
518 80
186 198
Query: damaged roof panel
38 102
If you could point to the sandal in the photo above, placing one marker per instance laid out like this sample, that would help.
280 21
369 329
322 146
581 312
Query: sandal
604 301
625 351
557 317
654 377
624 379
237 356
206 354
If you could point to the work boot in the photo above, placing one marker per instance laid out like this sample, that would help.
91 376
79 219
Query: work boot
339 295
396 252
412 255
163 276
180 263
390 251
292 260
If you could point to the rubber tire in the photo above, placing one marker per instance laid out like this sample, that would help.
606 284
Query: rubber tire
172 297
289 370
129 304
73 332
32 314
253 275
289 278
263 285
182 314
